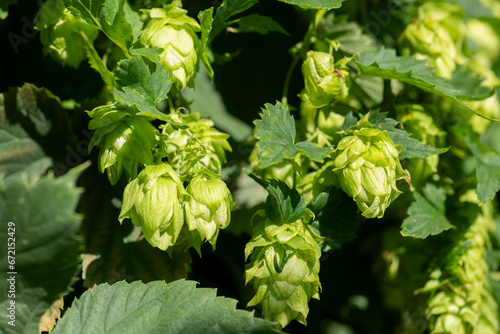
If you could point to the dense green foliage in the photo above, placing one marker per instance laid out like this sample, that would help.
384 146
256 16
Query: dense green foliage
324 166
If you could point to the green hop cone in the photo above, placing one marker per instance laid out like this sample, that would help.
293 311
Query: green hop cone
208 209
61 33
153 201
284 267
175 32
367 166
126 141
323 83
198 148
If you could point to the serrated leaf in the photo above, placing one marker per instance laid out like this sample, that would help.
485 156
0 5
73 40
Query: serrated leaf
225 11
335 218
98 64
315 4
426 216
98 13
384 63
276 133
487 172
413 148
134 19
47 248
206 19
157 307
141 87
152 54
259 24
283 205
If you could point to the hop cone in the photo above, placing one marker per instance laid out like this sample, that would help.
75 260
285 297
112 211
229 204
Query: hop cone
323 82
126 141
175 32
284 268
61 33
208 209
464 302
197 148
367 166
153 201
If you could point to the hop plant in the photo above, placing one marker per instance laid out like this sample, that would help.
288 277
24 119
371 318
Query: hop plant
126 140
367 167
153 201
175 32
208 209
284 267
195 149
462 300
61 33
320 126
323 83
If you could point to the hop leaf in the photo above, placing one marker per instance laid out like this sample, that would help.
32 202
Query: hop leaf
175 32
153 202
284 267
367 165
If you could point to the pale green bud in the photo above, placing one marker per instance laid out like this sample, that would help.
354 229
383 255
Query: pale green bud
448 15
323 83
482 38
321 126
208 209
61 33
285 268
195 149
367 167
126 141
175 32
153 201
429 40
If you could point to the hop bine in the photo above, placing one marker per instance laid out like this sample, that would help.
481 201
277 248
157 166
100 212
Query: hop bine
367 167
284 267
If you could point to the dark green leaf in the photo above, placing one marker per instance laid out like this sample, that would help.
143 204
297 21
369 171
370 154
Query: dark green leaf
315 4
206 18
384 63
134 19
141 87
225 11
118 30
487 172
152 54
47 248
259 24
276 134
413 148
157 307
426 216
97 64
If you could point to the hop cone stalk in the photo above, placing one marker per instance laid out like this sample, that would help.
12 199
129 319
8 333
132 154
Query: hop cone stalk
284 267
126 141
153 201
367 167
199 148
175 32
323 82
61 33
464 303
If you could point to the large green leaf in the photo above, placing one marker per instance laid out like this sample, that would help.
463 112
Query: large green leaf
276 133
487 172
157 307
109 17
46 255
426 214
141 87
413 148
315 4
384 63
